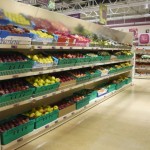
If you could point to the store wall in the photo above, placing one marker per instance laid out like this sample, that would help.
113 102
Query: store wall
141 29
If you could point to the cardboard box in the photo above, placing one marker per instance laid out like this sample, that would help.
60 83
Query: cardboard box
67 110
67 84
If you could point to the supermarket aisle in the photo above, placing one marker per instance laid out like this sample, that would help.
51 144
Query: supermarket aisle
120 123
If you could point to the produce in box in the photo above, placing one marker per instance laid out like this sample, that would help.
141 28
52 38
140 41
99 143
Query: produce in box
40 111
11 86
42 80
13 123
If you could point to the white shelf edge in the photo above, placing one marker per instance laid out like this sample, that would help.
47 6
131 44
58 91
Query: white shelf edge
76 47
52 70
142 76
34 99
51 126
140 60
142 68
8 46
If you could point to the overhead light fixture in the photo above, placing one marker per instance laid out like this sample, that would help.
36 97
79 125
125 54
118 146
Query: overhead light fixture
146 5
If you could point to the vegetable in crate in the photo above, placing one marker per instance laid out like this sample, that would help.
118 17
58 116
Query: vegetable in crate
11 86
13 123
42 80
40 58
40 111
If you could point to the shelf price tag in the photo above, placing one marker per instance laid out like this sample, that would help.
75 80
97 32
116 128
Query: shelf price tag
47 126
39 47
17 104
45 96
13 46
15 76
41 72
19 140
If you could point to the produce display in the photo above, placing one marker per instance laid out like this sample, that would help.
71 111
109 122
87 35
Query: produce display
17 18
12 57
142 65
40 111
41 34
40 58
64 77
124 53
145 56
14 29
13 123
12 86
65 103
42 80
78 73
37 74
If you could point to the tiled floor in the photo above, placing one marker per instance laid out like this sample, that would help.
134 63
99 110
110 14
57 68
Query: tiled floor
120 123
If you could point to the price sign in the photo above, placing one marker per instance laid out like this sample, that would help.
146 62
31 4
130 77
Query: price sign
17 104
47 126
14 46
19 140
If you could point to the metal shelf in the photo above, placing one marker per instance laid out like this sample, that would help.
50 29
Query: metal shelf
50 126
51 47
52 70
34 99
142 68
77 48
142 76
8 46
142 60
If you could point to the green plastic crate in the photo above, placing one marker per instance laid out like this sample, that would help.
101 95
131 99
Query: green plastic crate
111 87
121 57
96 74
105 58
95 59
120 85
17 71
82 103
17 132
46 89
82 61
112 71
92 95
16 65
65 62
82 79
16 96
45 119
129 80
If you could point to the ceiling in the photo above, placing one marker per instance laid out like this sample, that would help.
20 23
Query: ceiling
89 9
